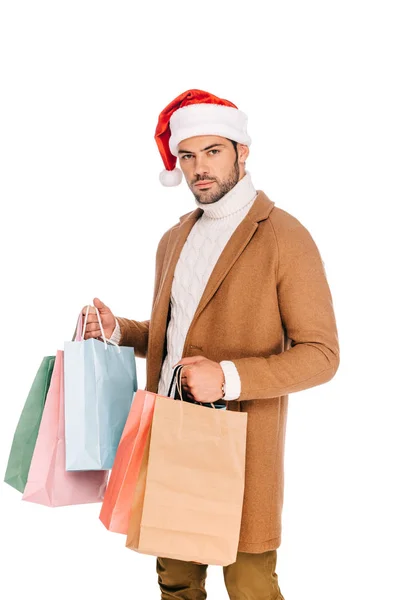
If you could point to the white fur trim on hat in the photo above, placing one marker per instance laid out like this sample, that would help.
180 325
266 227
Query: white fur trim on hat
171 178
207 119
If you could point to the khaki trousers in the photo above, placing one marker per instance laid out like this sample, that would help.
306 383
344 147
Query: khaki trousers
251 577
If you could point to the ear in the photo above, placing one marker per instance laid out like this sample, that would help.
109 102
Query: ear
243 153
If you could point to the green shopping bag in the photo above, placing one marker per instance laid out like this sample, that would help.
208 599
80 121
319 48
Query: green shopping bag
27 429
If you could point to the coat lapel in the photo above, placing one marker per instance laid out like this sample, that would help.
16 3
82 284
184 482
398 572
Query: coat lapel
234 247
176 242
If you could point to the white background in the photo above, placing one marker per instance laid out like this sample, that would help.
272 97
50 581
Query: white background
82 211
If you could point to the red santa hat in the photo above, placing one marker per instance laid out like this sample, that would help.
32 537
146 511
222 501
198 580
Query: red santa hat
195 112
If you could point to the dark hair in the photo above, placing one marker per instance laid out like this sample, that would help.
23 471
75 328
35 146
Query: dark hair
235 146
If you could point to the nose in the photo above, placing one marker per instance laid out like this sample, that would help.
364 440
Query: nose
201 166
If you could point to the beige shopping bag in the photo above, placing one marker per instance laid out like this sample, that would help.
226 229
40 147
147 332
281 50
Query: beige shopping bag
188 499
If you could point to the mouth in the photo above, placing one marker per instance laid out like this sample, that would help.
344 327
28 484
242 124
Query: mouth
204 184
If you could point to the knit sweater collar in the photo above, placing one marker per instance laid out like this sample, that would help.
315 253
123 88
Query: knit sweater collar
236 199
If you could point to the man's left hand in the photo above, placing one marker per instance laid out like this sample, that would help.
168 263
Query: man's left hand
202 378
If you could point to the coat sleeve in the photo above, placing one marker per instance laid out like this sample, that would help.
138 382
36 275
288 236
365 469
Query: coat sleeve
136 333
308 319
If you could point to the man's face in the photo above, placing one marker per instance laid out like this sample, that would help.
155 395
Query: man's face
210 166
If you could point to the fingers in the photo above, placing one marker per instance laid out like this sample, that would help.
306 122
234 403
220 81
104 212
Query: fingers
100 305
94 334
184 371
186 388
91 319
93 328
92 324
185 382
92 310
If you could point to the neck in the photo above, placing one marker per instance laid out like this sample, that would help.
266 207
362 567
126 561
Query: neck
234 200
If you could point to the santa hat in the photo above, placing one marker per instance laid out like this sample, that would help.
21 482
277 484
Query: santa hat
195 113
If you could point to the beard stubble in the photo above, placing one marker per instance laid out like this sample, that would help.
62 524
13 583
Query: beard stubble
223 186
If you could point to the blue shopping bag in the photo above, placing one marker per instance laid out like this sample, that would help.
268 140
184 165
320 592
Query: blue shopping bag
99 384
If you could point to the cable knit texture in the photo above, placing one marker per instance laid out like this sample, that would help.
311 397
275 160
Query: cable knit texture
199 255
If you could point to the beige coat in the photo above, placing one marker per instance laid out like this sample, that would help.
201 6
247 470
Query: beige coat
267 306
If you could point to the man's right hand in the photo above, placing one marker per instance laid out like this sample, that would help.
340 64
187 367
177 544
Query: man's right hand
107 319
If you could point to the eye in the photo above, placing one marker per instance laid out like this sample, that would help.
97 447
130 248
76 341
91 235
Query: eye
214 150
186 156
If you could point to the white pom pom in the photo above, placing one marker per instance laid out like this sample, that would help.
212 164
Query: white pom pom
171 178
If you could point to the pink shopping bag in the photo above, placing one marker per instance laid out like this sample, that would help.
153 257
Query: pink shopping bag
48 481
116 507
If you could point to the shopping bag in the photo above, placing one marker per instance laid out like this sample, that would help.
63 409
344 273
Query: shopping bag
48 481
100 381
116 506
188 500
27 429
117 501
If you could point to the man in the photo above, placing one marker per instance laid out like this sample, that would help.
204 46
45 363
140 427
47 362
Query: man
242 300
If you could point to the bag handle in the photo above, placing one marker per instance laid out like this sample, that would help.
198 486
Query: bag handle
178 373
77 337
177 368
79 334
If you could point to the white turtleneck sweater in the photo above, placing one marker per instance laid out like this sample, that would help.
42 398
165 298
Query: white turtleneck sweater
198 257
